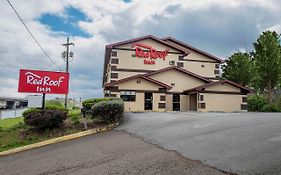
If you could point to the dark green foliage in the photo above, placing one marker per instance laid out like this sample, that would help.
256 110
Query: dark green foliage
256 103
29 111
45 119
108 111
267 61
54 103
271 107
238 68
87 104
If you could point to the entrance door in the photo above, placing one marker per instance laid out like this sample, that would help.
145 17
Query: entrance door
147 101
176 102
193 102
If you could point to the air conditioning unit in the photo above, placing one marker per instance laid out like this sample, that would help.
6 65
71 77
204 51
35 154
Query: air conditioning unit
172 62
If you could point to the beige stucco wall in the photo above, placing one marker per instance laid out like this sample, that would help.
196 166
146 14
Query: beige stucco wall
196 67
122 75
182 81
184 103
133 85
223 87
222 102
169 102
156 100
193 55
137 105
127 61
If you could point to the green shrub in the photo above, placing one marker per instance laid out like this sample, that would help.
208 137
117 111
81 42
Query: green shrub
108 111
74 116
256 103
29 111
271 107
278 102
87 104
45 119
54 103
75 107
54 107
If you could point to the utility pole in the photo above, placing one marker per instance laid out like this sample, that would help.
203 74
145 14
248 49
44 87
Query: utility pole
66 55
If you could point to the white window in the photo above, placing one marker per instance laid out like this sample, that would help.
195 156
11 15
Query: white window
128 95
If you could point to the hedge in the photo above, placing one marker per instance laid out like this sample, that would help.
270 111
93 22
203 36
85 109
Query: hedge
271 107
44 119
256 103
108 111
87 104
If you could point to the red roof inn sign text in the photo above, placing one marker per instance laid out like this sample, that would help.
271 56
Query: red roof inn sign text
44 82
150 52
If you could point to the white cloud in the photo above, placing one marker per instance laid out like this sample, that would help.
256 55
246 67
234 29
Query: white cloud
217 26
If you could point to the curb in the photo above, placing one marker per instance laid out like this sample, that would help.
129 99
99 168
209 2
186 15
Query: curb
58 140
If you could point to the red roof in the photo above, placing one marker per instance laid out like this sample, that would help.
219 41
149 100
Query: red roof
201 87
139 76
178 69
143 38
193 48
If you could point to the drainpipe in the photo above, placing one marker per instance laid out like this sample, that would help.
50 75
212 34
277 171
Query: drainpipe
198 106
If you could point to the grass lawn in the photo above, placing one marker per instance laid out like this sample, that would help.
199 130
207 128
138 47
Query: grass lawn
12 134
9 122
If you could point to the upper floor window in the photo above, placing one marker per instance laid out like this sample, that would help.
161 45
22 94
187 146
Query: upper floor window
114 53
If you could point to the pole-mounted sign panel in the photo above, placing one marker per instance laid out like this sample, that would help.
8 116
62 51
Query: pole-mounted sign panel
44 82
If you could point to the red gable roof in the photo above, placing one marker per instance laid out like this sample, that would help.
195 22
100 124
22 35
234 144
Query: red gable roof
193 48
202 87
138 76
143 38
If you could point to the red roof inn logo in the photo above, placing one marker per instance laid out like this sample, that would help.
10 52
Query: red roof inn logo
149 53
34 81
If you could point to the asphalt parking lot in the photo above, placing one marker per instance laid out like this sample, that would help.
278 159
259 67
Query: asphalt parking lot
114 152
244 143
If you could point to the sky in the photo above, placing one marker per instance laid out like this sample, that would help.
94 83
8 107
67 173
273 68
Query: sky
220 27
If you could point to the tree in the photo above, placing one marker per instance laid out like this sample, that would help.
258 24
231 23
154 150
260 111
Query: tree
238 68
267 62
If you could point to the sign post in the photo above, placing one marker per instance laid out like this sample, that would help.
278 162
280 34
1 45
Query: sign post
43 82
43 101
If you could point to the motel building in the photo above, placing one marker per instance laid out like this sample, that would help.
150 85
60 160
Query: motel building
153 74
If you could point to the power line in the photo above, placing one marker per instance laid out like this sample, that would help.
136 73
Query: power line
32 35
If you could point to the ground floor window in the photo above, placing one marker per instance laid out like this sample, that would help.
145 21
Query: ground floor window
128 95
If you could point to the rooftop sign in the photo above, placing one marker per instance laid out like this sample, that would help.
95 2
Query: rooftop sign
35 81
150 52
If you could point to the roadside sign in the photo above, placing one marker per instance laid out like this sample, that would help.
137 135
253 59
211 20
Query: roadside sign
44 82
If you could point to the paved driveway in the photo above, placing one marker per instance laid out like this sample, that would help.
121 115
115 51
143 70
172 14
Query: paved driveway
114 152
245 143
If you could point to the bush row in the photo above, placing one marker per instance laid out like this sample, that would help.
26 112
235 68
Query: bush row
51 117
108 111
259 103
87 104
44 119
